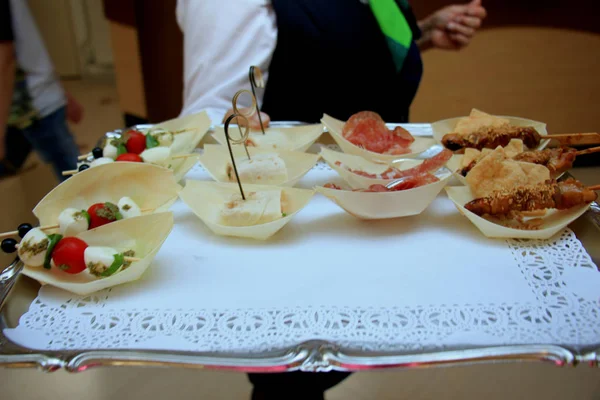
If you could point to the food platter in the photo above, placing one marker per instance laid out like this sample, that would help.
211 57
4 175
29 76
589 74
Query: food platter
215 159
335 127
317 354
280 136
443 127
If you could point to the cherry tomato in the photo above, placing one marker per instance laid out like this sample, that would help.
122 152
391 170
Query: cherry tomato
102 214
68 255
136 142
130 157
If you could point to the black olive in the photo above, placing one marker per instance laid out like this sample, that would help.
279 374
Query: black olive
9 245
83 167
23 229
97 152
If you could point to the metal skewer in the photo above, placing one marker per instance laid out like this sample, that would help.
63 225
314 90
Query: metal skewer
237 112
256 80
229 141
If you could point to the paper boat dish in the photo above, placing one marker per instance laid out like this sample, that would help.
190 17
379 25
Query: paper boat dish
150 186
185 142
454 164
215 159
554 221
358 163
335 127
145 235
206 198
443 127
383 205
294 138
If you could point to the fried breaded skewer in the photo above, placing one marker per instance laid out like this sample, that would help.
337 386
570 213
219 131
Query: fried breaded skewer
550 194
557 160
488 137
492 137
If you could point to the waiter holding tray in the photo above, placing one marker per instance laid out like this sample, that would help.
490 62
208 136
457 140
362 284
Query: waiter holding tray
337 57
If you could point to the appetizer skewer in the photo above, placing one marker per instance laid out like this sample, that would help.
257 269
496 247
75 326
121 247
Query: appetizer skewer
69 254
134 143
557 160
158 156
492 137
72 221
551 194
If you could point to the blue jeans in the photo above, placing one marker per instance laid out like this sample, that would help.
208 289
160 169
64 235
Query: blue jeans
49 137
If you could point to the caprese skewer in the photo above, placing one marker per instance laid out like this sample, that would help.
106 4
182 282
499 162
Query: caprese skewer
72 221
69 254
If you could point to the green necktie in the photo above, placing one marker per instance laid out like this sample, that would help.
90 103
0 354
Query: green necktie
394 26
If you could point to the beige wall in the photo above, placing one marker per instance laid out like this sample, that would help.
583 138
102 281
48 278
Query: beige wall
76 34
546 74
53 18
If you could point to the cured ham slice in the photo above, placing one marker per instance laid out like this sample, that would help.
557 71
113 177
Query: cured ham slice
367 130
430 165
409 182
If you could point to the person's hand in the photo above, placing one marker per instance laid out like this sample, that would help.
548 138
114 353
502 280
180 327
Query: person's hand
252 120
74 110
453 27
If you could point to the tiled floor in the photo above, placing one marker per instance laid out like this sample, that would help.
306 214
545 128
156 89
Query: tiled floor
490 382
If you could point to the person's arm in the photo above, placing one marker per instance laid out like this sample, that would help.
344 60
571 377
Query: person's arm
452 27
7 71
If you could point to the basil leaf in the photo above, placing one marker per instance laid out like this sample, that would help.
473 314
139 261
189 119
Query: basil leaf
119 259
54 239
87 216
121 149
151 141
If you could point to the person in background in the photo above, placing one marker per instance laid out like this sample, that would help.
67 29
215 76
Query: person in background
337 57
33 105
338 53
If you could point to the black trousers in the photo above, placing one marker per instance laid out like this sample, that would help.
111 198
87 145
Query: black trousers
294 385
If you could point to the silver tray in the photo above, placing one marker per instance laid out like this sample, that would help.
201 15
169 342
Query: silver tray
17 292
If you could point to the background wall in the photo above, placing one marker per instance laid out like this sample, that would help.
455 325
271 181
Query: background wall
77 36
534 59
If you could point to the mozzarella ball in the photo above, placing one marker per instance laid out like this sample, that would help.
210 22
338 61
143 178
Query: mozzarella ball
101 161
98 258
157 155
129 208
164 137
33 248
109 151
72 222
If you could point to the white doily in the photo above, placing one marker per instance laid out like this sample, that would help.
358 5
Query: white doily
422 283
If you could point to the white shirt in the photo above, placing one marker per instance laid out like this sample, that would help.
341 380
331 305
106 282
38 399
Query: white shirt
43 85
222 39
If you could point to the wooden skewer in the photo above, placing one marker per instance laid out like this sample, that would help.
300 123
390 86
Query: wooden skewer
132 259
185 130
70 172
575 138
595 187
588 151
51 227
83 156
184 156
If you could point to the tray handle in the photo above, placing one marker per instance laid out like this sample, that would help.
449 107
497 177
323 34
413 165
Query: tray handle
8 278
